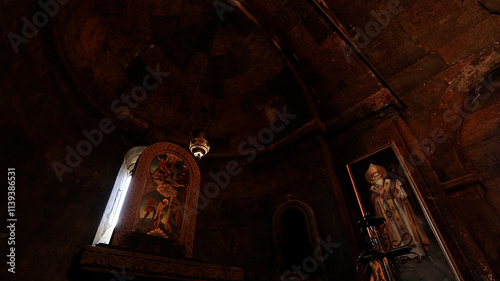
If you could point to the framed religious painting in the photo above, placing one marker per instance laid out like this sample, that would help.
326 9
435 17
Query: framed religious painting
385 189
159 213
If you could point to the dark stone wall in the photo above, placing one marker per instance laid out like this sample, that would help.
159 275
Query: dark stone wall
236 226
42 113
39 120
434 55
442 59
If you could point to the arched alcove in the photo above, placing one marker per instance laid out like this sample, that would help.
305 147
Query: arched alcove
466 156
296 242
479 136
468 93
479 149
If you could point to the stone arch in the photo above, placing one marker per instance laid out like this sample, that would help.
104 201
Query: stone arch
296 240
457 103
479 136
469 116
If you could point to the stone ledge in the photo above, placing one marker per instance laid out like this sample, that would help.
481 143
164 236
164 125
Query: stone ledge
100 259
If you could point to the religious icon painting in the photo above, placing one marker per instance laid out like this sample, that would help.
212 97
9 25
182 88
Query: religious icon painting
159 213
384 188
164 194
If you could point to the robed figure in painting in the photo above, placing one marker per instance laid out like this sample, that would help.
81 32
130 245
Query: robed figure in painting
390 201
164 193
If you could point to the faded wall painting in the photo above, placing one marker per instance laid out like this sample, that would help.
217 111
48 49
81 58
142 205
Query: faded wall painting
160 212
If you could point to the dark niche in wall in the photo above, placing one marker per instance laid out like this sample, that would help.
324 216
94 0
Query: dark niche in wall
296 242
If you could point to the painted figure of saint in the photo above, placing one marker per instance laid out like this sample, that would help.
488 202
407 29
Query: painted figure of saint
174 217
150 201
160 212
165 191
390 201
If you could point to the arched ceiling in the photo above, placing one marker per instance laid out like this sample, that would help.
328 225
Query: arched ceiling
230 68
224 61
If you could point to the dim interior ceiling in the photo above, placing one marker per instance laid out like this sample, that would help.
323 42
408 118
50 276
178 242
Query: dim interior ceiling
241 65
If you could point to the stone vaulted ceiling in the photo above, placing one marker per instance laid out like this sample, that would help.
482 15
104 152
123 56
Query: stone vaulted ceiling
239 64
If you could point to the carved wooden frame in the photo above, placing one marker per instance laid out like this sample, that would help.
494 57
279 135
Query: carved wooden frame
123 231
99 259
